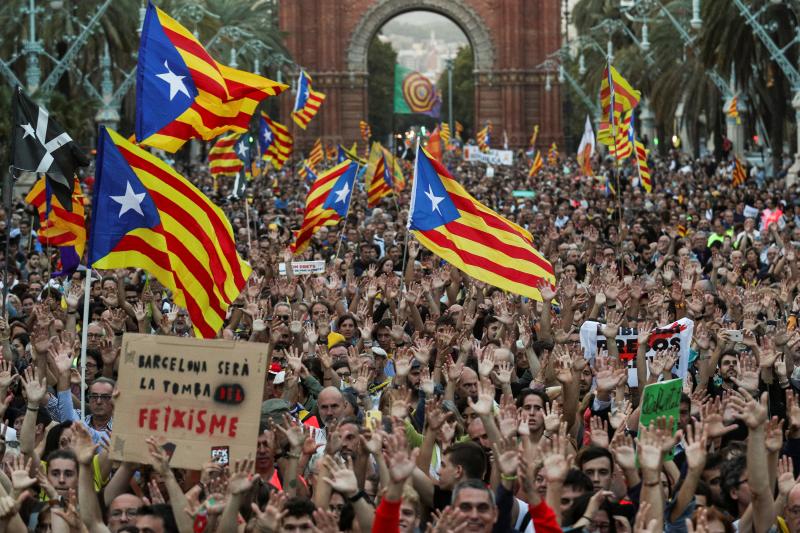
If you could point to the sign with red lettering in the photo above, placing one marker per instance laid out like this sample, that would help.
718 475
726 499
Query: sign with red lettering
194 396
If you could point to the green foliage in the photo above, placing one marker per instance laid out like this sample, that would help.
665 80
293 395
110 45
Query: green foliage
381 59
463 89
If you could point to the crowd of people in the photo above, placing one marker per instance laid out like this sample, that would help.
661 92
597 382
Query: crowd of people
441 403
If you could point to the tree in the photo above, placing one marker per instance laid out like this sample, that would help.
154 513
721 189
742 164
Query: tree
381 59
463 89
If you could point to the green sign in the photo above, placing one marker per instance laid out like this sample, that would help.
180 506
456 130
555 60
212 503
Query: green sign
523 194
661 399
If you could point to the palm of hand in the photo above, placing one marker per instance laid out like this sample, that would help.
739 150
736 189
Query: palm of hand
552 422
483 406
5 379
754 415
606 380
555 468
399 409
295 436
649 456
402 467
625 457
21 480
345 481
599 438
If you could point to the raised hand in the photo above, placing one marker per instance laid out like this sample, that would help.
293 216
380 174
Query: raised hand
619 413
624 453
19 470
35 386
269 520
399 460
747 375
599 432
506 456
552 417
554 457
753 413
483 407
711 415
696 441
486 361
242 477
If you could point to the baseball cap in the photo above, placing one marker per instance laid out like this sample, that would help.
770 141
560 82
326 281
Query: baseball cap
334 339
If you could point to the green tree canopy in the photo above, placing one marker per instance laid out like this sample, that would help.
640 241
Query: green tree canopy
463 89
380 87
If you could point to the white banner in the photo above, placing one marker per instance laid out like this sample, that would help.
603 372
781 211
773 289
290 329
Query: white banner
300 268
492 157
678 334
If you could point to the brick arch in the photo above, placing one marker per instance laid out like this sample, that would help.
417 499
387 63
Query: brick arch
461 14
510 40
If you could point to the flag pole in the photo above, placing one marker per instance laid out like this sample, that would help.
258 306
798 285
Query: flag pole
9 180
408 220
247 220
615 130
347 214
87 289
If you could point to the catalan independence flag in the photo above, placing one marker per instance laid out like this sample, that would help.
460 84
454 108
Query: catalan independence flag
146 215
395 170
733 108
449 222
552 155
644 170
459 130
317 155
379 179
534 135
308 101
182 93
318 211
536 166
366 131
59 226
222 158
484 137
444 133
275 141
739 175
616 93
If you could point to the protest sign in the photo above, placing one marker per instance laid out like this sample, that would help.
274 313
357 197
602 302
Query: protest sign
490 157
661 399
678 334
199 399
301 268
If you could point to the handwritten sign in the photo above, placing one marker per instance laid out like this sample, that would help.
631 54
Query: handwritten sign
300 268
675 335
196 397
661 399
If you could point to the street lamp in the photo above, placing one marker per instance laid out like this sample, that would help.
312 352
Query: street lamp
696 21
449 64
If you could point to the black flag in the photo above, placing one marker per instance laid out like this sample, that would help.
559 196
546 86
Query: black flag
39 144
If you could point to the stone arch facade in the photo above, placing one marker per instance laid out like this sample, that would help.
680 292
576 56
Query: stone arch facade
510 40
459 12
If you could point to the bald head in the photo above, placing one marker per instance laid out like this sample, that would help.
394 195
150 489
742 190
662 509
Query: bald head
330 404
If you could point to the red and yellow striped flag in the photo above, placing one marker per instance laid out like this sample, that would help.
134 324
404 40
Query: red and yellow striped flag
536 166
146 215
57 226
378 180
316 155
222 158
644 170
308 101
366 131
534 135
449 222
182 93
315 215
552 155
275 141
459 130
739 175
484 137
616 92
444 133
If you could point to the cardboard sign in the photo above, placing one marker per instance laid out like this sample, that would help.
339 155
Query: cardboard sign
678 334
300 268
492 157
201 399
661 399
